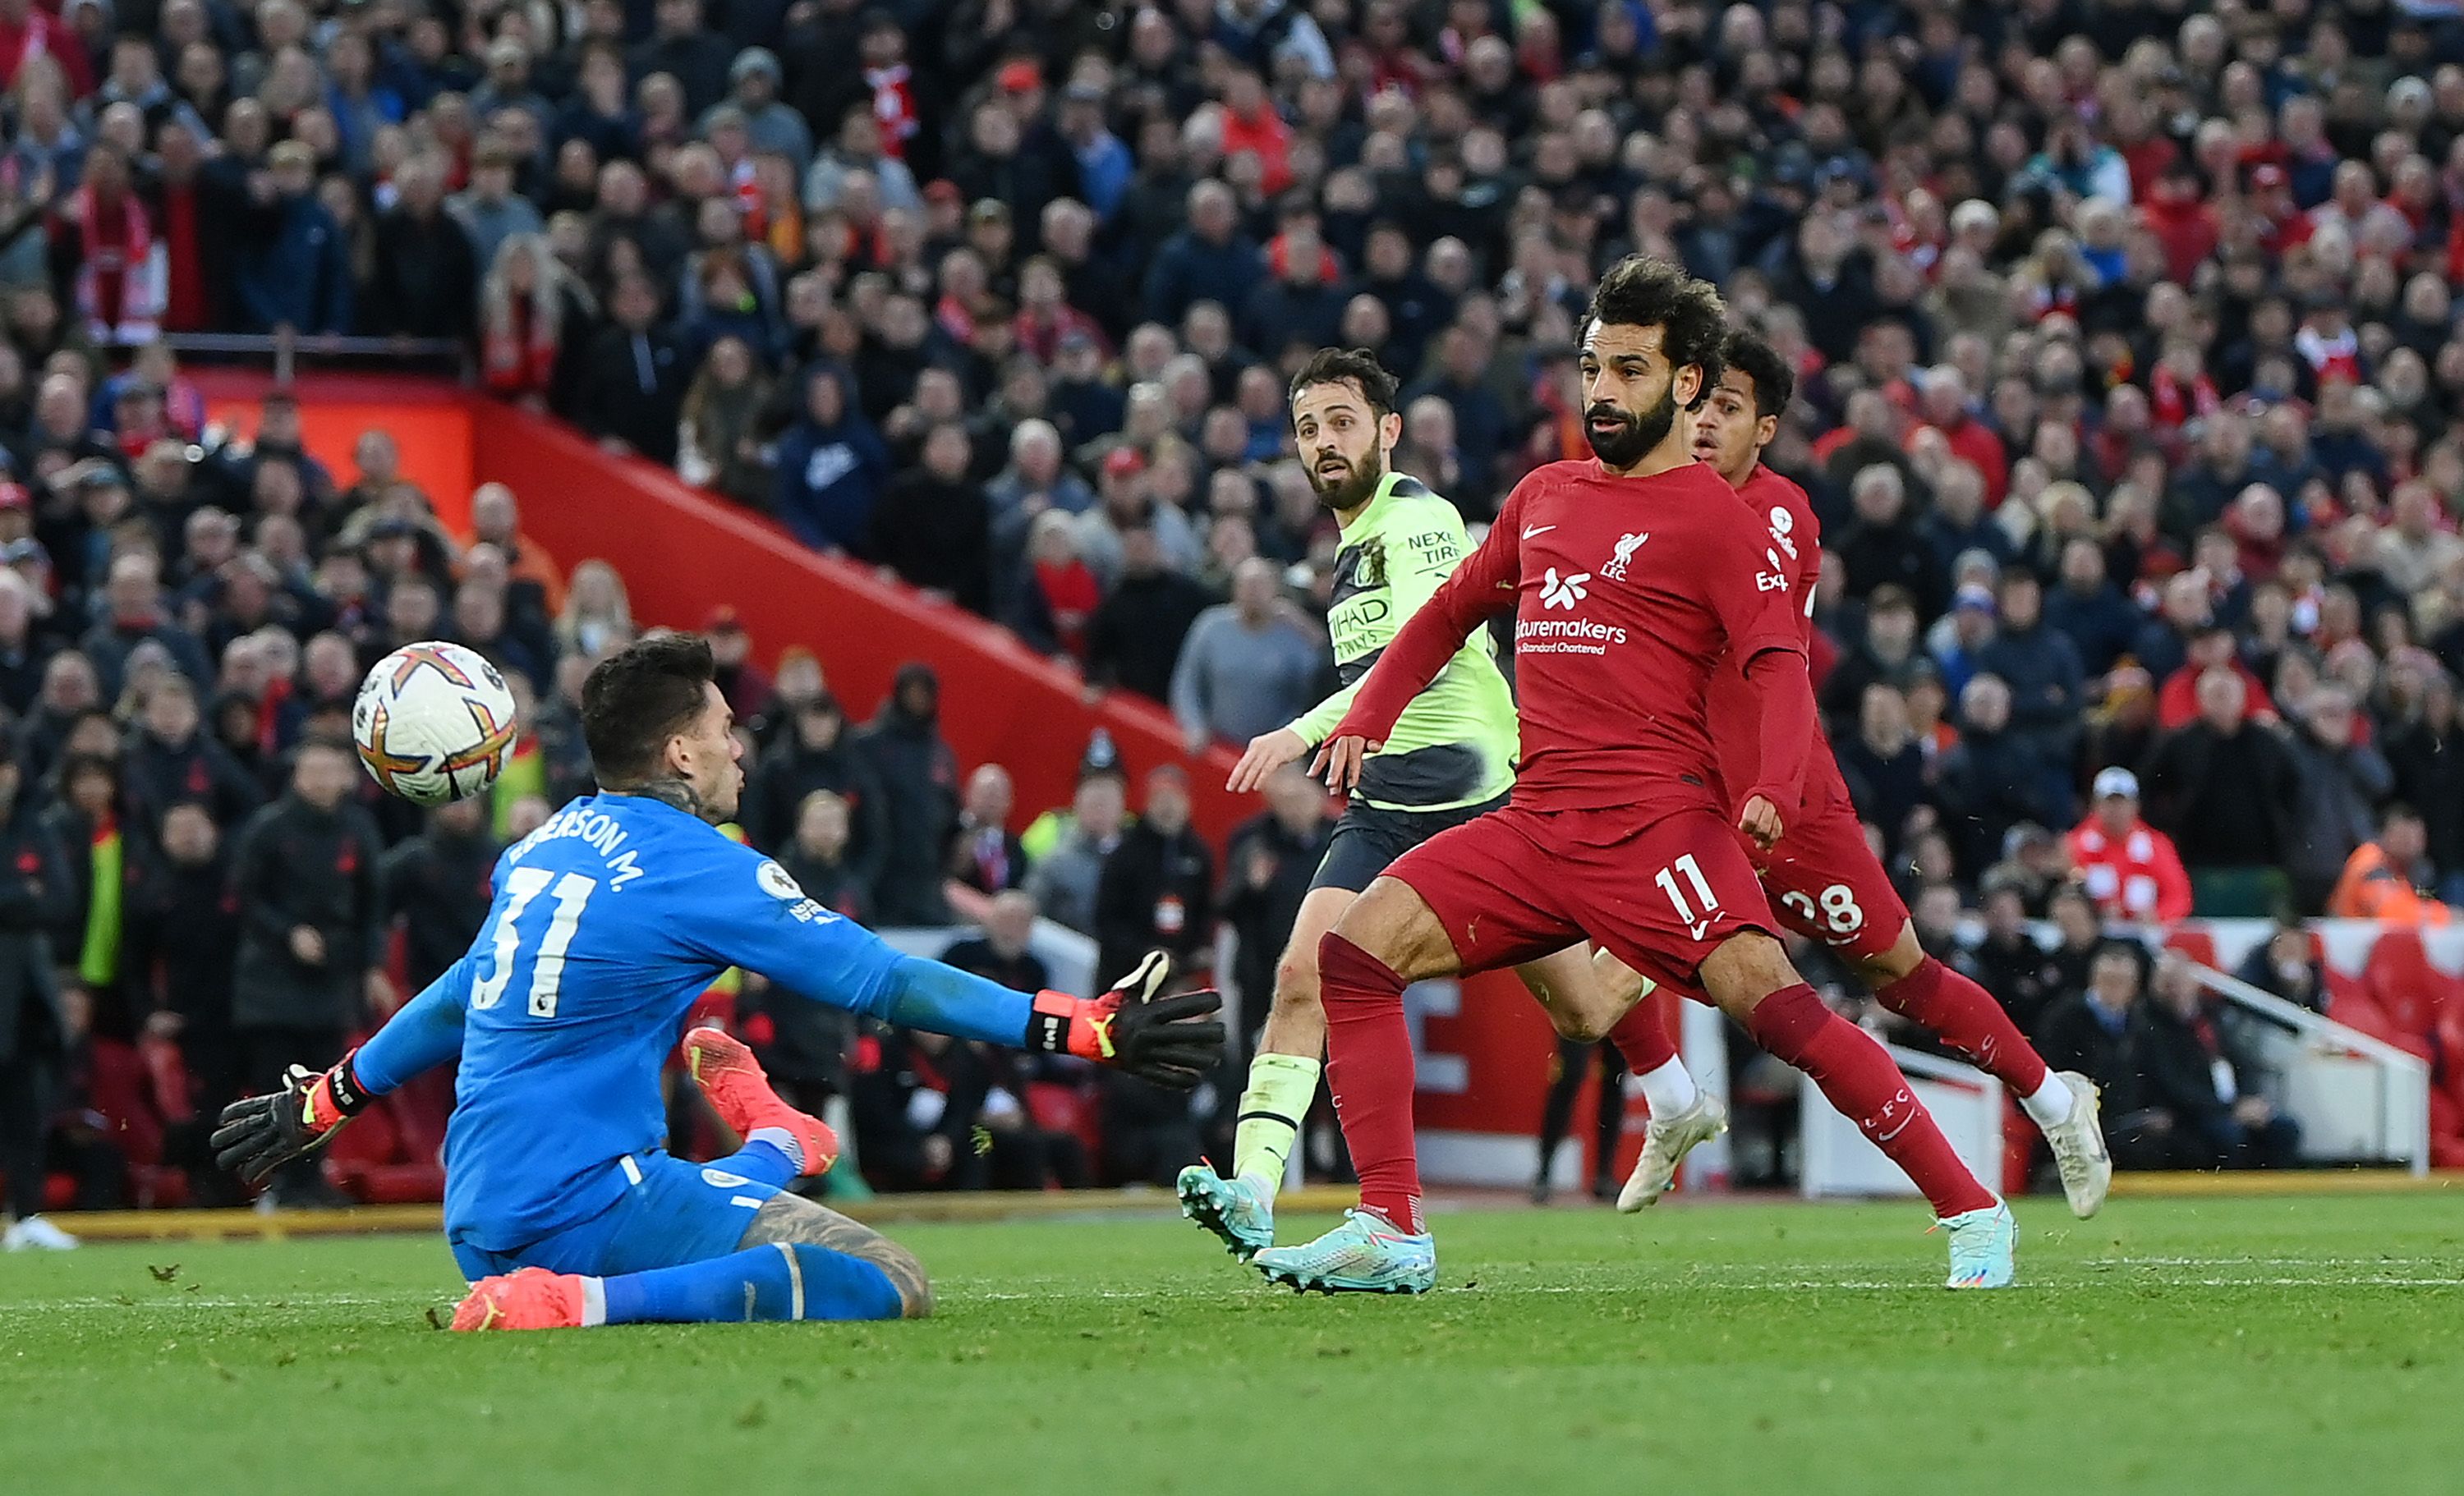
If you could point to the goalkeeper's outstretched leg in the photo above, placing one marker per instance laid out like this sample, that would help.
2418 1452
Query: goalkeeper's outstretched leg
796 1260
793 1260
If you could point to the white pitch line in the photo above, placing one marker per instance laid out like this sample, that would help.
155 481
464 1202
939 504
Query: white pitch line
194 1301
958 1294
1709 1278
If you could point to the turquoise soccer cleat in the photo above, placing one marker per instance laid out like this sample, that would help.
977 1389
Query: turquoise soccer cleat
1241 1211
1363 1255
1982 1243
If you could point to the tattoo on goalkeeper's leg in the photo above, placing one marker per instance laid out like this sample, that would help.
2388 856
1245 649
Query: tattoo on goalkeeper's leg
794 1220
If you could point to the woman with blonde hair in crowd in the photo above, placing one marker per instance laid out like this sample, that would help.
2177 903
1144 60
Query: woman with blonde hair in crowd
527 305
598 616
1059 594
717 442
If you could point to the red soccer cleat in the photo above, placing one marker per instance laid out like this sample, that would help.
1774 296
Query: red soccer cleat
740 1093
531 1299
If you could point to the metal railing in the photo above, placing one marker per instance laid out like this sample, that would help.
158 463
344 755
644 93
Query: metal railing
284 349
2320 1067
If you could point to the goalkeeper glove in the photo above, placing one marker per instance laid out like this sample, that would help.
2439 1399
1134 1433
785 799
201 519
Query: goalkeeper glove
261 1134
1170 1041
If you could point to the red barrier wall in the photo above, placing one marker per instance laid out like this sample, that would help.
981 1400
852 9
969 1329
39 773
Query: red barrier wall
430 422
680 551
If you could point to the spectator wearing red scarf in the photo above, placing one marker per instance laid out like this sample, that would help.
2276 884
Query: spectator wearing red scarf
521 322
892 84
2179 390
183 204
1062 592
105 257
28 31
1044 316
2326 341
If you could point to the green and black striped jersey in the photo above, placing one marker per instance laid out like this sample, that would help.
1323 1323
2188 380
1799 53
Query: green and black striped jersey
1456 744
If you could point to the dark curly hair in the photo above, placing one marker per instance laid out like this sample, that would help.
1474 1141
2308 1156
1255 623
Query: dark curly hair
636 699
1348 366
1774 382
1640 290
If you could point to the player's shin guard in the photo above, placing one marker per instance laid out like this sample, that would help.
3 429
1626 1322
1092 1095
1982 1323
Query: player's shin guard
1280 1089
1368 1068
1970 1021
778 1280
1857 1076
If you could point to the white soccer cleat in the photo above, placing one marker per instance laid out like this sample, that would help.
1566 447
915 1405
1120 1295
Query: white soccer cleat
1665 1143
35 1234
2078 1148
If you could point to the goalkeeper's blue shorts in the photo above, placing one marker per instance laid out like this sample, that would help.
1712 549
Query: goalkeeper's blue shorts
671 1212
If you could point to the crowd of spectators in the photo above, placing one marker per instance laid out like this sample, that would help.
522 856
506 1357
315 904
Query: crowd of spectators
203 887
2129 382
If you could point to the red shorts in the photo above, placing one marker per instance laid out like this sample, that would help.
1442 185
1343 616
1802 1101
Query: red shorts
1824 884
1518 884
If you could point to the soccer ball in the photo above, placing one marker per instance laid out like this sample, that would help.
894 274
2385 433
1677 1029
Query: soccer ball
434 722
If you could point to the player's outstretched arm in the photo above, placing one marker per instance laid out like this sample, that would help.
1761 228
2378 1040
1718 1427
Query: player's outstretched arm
766 925
259 1135
423 1033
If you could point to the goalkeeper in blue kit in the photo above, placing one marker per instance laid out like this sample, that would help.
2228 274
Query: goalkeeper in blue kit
562 1207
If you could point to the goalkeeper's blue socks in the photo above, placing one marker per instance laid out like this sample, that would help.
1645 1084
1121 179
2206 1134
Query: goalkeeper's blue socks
778 1281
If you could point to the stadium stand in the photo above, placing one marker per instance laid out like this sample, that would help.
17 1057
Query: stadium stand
2129 376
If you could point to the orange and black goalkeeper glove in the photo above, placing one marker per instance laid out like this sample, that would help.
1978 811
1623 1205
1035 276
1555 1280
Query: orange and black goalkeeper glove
1170 1040
259 1135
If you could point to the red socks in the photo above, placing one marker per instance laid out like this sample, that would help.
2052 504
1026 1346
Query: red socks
1641 1036
1369 1069
1970 1021
1856 1074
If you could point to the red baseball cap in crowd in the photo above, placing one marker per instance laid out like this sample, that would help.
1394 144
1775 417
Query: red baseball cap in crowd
1125 462
1022 76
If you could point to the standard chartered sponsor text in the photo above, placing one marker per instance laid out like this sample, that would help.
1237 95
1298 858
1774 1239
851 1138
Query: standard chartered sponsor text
1531 630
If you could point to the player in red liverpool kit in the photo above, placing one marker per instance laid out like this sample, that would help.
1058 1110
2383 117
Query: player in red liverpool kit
1633 579
1821 877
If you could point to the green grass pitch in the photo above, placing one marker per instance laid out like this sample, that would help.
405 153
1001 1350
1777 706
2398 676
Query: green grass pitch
2312 1345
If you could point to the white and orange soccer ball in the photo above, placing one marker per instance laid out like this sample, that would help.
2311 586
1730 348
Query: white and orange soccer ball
434 722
